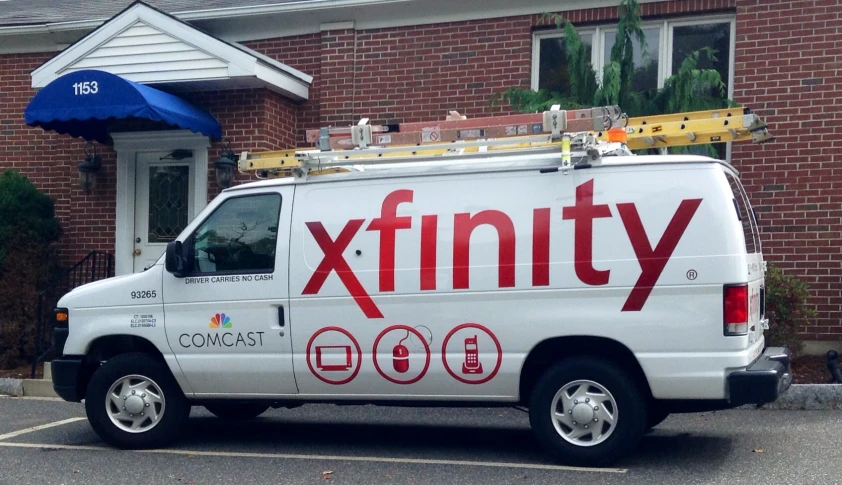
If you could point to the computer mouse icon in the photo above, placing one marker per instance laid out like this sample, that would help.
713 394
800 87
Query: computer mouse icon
400 358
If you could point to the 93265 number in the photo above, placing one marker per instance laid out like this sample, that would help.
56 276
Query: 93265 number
144 294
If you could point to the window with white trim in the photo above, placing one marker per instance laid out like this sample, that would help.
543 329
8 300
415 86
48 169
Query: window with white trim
668 44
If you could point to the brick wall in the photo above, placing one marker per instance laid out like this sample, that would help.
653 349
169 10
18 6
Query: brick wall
303 53
407 74
416 73
49 161
251 119
789 71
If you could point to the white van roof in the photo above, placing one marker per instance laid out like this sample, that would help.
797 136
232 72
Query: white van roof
513 162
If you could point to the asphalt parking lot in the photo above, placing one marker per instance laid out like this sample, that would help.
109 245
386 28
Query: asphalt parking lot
49 442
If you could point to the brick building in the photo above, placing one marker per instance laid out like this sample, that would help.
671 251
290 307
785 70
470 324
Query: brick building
266 72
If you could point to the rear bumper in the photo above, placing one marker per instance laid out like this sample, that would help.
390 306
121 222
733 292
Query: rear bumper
764 380
66 371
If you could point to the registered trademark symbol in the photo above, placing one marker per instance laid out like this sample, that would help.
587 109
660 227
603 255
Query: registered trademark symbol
692 274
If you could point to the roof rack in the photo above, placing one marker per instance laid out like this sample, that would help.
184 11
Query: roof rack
584 135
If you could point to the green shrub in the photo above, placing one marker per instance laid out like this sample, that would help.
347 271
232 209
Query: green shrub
28 228
787 309
25 212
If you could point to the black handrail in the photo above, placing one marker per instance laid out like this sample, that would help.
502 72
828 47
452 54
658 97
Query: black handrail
96 266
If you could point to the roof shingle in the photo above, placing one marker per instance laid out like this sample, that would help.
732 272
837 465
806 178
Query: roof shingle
29 12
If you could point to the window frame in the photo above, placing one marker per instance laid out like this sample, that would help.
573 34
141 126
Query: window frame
667 27
744 204
190 240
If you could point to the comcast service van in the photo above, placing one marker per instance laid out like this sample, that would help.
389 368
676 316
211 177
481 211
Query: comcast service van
601 297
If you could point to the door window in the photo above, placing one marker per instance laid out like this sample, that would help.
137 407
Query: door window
239 237
168 200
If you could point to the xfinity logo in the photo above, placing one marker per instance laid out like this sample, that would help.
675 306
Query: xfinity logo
219 340
653 251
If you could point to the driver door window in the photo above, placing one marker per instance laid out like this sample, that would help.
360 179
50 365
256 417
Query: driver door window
239 237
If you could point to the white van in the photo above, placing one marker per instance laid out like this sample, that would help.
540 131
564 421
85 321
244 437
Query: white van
601 298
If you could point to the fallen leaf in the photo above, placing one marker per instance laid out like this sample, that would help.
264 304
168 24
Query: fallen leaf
758 450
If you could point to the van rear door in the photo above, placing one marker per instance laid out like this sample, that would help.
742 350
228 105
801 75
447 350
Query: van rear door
754 257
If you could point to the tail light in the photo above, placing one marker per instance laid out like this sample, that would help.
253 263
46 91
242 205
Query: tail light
736 310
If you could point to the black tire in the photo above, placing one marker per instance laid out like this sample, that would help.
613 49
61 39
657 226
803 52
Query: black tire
175 411
655 416
237 410
630 412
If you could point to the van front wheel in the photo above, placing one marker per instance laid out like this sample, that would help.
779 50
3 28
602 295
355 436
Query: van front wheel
587 411
133 402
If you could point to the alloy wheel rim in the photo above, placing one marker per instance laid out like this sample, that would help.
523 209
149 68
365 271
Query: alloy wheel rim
584 413
135 404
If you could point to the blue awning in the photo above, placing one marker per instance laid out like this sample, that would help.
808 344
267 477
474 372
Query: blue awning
84 103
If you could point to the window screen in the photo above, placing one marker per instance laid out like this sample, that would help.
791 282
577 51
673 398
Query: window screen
646 61
689 38
240 236
554 74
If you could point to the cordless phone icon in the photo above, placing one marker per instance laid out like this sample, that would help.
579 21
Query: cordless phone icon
472 365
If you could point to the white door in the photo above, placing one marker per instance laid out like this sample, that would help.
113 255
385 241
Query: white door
163 205
226 321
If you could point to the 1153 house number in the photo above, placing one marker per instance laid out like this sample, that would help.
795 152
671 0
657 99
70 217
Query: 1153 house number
87 87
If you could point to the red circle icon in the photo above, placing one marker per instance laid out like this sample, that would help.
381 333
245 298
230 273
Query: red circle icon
401 355
471 361
334 356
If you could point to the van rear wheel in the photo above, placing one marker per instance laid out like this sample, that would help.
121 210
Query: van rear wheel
133 402
236 410
587 411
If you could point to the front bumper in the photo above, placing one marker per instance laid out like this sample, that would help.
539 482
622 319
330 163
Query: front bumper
66 375
764 380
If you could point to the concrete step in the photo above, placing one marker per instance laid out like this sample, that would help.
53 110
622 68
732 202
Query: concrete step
38 388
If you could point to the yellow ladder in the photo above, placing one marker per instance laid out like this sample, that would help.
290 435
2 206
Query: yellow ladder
590 133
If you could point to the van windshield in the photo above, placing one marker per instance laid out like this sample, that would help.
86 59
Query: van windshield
744 213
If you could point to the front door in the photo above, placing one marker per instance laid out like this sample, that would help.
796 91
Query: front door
227 321
163 205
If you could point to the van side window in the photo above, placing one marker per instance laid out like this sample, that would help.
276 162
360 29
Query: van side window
745 214
240 236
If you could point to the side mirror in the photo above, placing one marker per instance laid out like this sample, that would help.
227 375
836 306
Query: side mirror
175 261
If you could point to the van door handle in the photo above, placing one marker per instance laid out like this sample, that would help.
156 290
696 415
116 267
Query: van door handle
281 320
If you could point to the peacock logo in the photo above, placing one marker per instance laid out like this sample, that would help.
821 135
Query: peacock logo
220 320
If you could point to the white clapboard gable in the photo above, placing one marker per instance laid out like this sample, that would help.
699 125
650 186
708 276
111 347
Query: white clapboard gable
150 47
144 54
